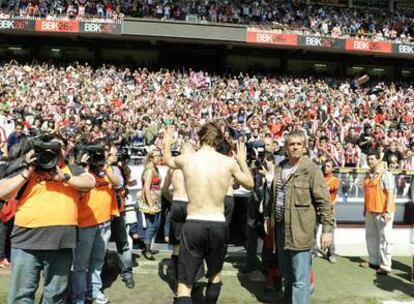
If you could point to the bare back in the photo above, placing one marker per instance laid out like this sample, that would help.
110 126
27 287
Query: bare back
207 177
177 182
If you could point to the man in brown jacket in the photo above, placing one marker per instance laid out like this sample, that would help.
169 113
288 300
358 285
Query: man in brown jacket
298 192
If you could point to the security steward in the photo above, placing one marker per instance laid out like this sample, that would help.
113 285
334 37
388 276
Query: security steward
44 233
96 209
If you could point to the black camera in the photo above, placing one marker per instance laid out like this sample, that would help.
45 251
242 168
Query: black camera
175 153
258 159
96 154
123 154
47 154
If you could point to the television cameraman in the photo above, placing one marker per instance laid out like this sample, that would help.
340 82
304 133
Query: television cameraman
254 229
117 160
44 233
96 210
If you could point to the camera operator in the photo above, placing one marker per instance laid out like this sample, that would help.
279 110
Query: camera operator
118 226
44 233
96 210
254 219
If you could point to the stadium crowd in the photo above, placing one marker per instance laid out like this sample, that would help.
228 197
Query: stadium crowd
132 108
97 114
300 18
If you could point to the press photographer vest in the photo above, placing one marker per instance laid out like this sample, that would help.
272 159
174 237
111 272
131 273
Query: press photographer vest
375 197
98 205
47 203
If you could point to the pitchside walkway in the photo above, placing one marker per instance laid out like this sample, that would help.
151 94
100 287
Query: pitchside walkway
339 283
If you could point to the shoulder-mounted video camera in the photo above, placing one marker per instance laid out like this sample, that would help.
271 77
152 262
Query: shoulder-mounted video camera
96 154
47 154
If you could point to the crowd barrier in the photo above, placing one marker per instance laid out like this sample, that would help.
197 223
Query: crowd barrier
350 199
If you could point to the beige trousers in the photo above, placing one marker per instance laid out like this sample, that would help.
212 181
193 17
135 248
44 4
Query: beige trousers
378 235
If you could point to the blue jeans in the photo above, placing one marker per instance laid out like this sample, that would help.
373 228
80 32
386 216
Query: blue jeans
153 223
26 268
138 227
295 268
89 258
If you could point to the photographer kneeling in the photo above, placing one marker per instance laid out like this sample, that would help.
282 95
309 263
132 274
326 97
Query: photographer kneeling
96 209
44 233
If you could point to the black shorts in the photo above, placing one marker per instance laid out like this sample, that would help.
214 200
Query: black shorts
228 208
201 240
178 216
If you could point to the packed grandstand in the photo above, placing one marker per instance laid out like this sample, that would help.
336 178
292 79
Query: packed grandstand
343 121
111 75
298 17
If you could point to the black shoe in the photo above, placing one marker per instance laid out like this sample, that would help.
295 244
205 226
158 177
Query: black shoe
155 251
129 283
246 270
148 255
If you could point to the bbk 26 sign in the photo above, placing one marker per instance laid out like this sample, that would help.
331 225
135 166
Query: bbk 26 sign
404 49
321 42
104 28
57 26
16 24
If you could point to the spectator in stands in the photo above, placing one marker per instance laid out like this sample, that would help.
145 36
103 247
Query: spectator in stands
137 117
366 142
3 143
15 137
393 153
361 23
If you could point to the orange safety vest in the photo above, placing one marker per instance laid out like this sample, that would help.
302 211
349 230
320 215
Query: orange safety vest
47 203
375 196
98 205
332 182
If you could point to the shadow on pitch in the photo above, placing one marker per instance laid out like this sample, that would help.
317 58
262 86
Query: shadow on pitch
405 270
253 286
399 280
393 283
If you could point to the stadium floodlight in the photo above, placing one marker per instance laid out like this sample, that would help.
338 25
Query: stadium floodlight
14 48
55 50
357 68
405 72
320 65
378 70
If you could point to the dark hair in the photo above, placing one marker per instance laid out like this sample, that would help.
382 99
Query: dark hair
374 152
326 162
323 138
269 157
210 135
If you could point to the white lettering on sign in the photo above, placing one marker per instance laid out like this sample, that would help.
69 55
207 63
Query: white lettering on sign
406 49
93 27
314 41
6 24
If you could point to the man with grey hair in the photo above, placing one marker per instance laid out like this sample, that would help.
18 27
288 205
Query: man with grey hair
298 193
